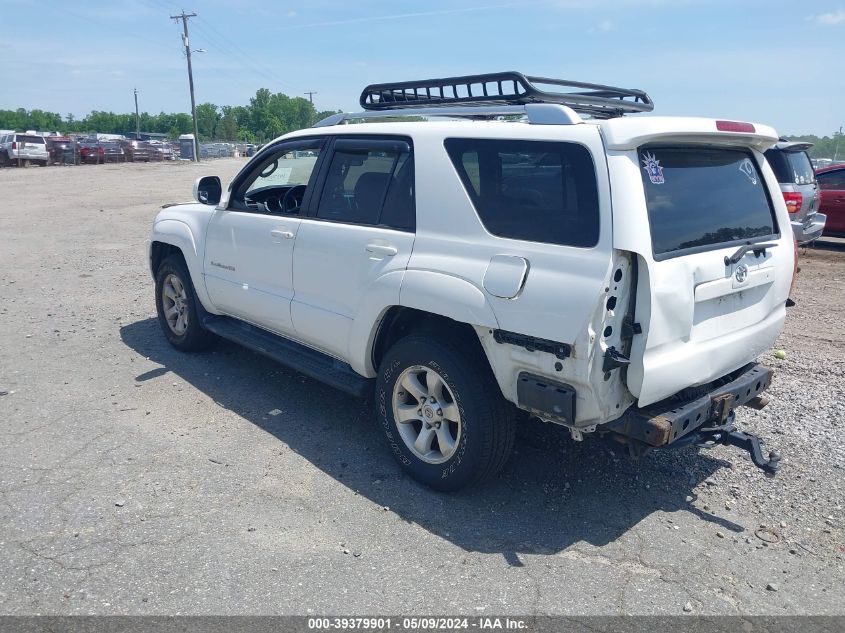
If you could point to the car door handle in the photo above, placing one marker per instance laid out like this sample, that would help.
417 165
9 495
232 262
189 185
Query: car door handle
288 235
381 249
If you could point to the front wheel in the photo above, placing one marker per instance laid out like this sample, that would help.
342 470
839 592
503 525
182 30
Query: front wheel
442 413
177 307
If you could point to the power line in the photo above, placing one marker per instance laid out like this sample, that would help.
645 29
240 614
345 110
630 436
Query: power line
186 41
227 42
220 43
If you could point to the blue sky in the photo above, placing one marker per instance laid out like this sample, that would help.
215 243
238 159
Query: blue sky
769 61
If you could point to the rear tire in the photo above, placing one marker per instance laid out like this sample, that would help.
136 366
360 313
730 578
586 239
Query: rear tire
179 312
442 413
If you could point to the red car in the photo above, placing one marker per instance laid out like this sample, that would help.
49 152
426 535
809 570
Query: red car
91 152
832 188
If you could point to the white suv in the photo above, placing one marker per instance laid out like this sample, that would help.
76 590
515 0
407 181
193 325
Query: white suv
469 246
23 149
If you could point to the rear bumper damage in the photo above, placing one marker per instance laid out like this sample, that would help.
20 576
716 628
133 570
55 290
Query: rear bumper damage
704 417
810 229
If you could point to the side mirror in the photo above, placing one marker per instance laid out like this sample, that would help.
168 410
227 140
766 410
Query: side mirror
208 190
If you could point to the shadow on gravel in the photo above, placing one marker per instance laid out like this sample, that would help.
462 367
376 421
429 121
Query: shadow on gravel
553 493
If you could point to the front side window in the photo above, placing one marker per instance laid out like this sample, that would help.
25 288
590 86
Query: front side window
279 181
537 191
370 182
700 198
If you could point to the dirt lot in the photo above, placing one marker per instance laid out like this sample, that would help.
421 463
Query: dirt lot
134 479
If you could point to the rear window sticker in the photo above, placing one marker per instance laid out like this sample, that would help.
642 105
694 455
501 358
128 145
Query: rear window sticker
653 169
747 168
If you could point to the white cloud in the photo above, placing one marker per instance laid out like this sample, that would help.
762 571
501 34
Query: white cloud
829 19
604 26
402 16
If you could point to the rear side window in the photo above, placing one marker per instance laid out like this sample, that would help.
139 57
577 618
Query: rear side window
701 198
832 179
791 167
537 191
370 182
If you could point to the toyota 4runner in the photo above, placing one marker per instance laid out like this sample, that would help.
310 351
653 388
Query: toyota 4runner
470 246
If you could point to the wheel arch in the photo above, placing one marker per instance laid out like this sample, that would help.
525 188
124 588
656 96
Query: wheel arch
423 296
161 250
171 237
397 322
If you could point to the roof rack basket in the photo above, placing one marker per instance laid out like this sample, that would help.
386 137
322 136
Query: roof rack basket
510 88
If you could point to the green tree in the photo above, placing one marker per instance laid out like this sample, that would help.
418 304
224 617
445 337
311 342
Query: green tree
825 146
266 116
227 129
207 120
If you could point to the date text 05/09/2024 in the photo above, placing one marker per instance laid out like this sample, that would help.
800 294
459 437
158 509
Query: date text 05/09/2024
422 623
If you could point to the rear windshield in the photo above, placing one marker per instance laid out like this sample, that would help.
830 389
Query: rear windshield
791 167
699 198
31 139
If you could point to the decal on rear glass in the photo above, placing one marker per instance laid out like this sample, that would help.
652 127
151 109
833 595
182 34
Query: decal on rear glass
747 168
653 169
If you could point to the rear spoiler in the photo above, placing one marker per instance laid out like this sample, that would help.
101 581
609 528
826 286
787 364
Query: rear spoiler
630 133
797 146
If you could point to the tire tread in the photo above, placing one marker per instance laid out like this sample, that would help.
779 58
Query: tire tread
485 395
196 338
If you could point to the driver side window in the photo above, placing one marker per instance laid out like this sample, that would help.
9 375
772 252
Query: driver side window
278 184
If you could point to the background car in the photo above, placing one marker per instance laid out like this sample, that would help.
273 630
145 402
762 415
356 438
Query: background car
160 151
135 151
23 149
62 150
832 185
797 180
113 152
91 152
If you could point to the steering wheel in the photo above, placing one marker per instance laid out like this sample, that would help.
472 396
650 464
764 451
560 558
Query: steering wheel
290 202
273 204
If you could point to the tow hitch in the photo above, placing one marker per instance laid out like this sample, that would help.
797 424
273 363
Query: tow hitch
727 434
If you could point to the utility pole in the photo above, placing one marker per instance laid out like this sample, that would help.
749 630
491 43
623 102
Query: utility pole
137 118
310 94
184 17
838 138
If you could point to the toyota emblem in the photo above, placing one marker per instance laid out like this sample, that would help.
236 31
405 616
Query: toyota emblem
741 273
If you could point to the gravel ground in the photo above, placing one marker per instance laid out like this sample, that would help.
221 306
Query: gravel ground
137 480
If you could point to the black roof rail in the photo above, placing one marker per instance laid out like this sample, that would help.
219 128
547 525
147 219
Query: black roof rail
534 113
511 88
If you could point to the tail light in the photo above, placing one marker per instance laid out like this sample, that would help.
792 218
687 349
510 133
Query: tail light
14 145
793 201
